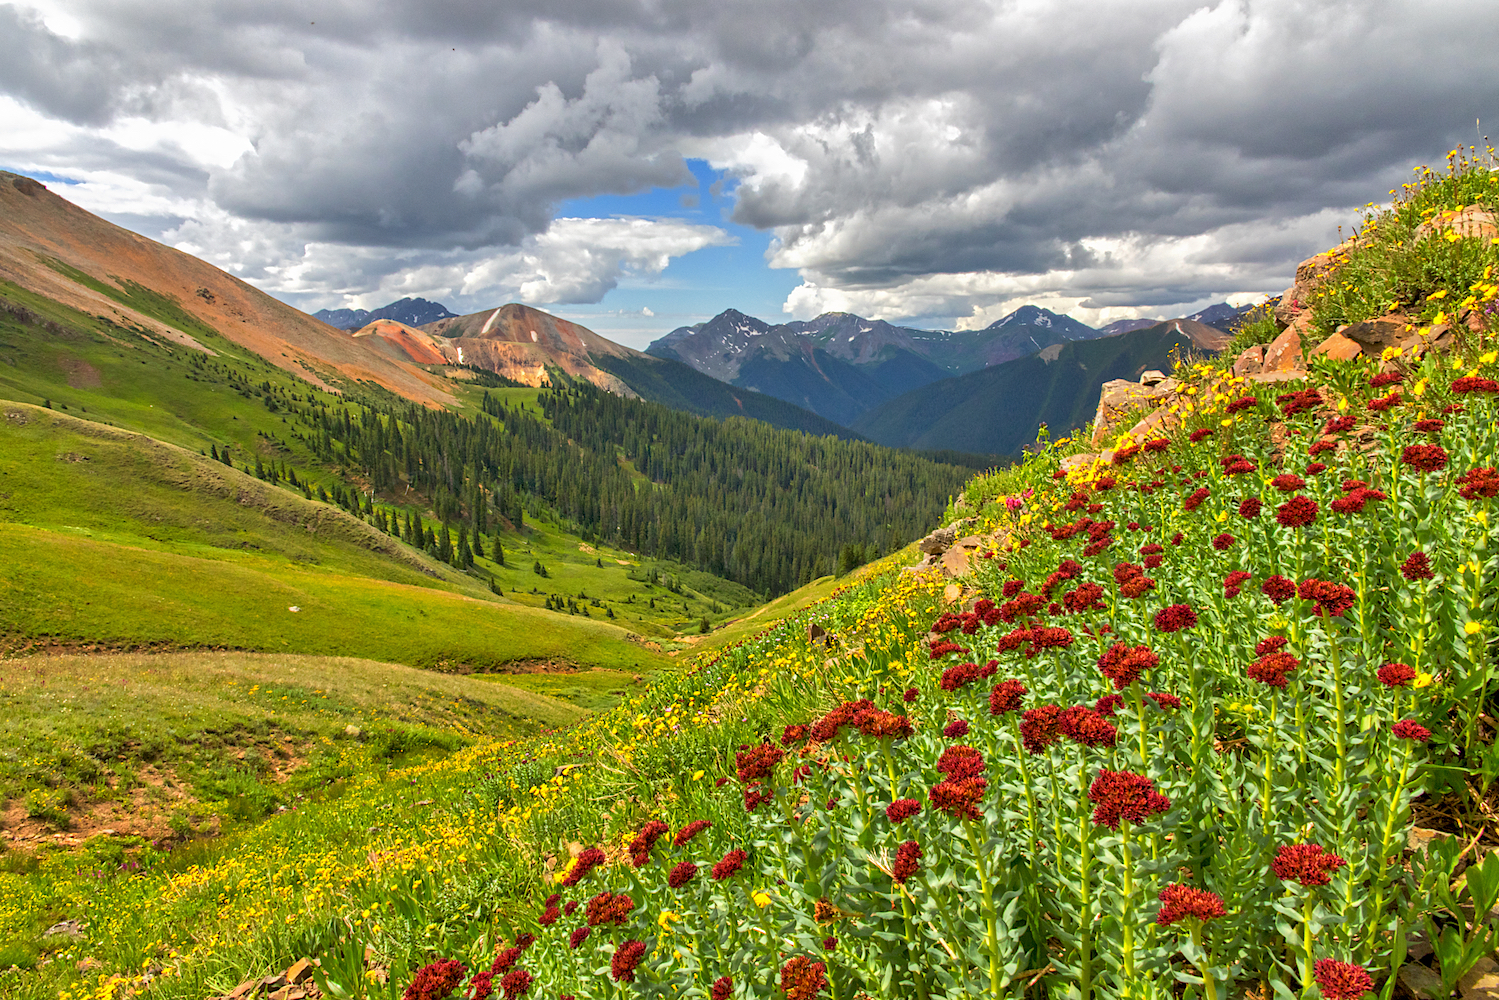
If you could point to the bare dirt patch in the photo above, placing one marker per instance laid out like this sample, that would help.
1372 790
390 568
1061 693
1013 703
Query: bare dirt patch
81 374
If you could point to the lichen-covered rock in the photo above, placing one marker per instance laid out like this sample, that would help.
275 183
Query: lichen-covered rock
1471 222
1284 352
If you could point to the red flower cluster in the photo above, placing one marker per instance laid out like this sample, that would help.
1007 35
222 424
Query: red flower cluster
1315 468
1341 980
1410 729
1124 664
827 727
911 695
794 734
1038 728
728 865
1340 425
1123 795
755 764
516 983
1424 457
1108 705
1199 434
681 874
1250 507
1006 696
907 861
1163 699
626 958
1233 584
1292 403
1288 482
959 799
1477 483
964 674
1384 403
1087 597
1067 569
723 988
1395 675
1297 512
1237 465
1240 404
956 729
1332 598
959 762
608 908
1156 444
1386 378
802 978
902 809
587 861
754 795
1195 499
1307 864
1178 902
1272 669
1431 425
942 647
1317 448
1223 542
1086 727
435 981
645 840
1278 588
1023 605
1353 501
1473 383
1270 644
578 936
1417 566
1175 617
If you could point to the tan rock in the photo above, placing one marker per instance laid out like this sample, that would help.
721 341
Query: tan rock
1156 423
1310 275
300 971
1338 348
1284 352
1251 361
1480 982
1269 378
955 561
938 541
1374 335
1081 460
1421 981
952 593
1152 377
1472 222
1117 399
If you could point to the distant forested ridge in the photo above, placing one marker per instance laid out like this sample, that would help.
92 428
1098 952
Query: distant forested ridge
768 508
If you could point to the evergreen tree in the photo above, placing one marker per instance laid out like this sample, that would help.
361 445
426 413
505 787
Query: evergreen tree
497 551
445 545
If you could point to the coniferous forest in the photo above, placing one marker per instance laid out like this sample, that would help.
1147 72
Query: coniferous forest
767 508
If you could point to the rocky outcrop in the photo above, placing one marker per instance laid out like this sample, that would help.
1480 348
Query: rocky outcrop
1472 223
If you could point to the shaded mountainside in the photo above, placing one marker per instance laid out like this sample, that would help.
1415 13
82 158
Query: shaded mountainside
412 312
998 410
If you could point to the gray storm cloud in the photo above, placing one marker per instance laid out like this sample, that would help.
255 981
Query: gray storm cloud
936 158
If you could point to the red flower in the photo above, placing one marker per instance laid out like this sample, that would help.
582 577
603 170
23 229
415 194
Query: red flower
1417 566
1223 542
757 763
959 798
1292 403
1432 425
1086 727
1341 980
1124 664
549 916
723 988
907 861
827 727
1233 583
960 675
1340 425
1013 587
958 762
1410 729
1163 699
1384 403
1425 457
1278 588
1297 512
1154 561
1195 500
1332 598
1395 675
1272 668
1179 902
590 859
1250 508
802 978
1122 795
570 907
1472 383
1242 403
626 957
754 795
1353 502
1307 864
883 725
1108 705
1176 539
1386 378
681 874
1156 444
608 908
941 649
1175 617
578 936
956 729
729 865
516 983
1477 483
1238 465
1199 434
1287 482
902 809
689 831
1315 468
1087 597
794 734
1006 697
911 695
640 847
435 981
1038 728
1317 448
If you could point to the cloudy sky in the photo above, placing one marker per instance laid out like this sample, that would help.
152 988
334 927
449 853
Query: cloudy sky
641 164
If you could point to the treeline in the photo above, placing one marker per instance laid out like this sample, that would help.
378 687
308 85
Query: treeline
768 508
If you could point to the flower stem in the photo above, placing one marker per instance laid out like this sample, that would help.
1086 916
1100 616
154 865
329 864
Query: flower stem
991 915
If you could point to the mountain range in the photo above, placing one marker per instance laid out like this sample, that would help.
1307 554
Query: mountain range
412 312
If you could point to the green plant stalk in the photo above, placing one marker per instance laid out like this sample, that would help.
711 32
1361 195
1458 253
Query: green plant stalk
1339 737
1085 901
991 915
1127 911
1209 984
1392 814
905 902
1139 697
1308 907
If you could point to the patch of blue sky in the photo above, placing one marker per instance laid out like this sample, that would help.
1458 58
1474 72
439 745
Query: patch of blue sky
46 177
694 287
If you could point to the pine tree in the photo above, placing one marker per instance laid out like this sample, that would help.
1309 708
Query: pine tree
497 551
445 545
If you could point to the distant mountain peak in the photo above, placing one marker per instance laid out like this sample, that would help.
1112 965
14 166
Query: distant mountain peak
412 312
